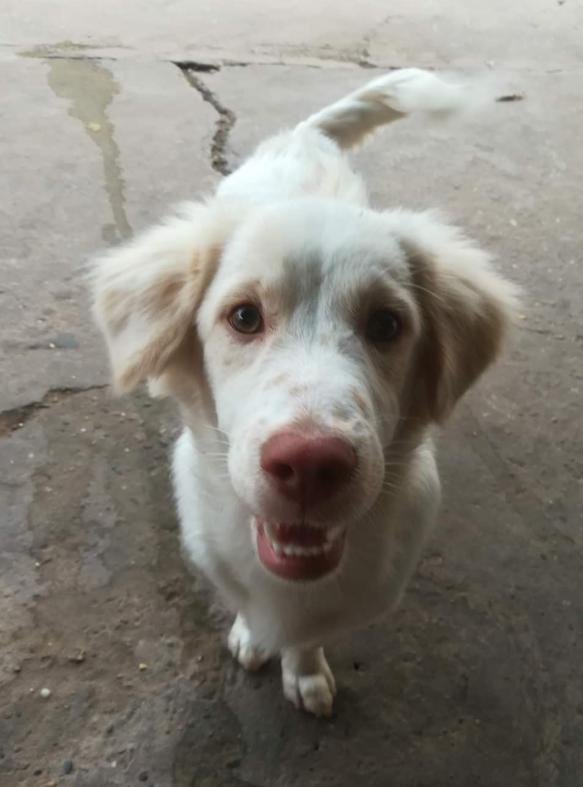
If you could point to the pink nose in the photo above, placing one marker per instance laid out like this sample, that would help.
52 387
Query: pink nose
307 469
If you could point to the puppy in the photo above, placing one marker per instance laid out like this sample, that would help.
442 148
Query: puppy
311 343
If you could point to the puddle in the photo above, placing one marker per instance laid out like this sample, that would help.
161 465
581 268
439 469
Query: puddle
90 87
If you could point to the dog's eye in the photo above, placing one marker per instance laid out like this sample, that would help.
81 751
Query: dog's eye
383 326
246 318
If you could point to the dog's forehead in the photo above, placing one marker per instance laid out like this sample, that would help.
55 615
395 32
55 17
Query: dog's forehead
312 244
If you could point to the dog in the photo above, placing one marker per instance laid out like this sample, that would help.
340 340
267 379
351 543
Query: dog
312 344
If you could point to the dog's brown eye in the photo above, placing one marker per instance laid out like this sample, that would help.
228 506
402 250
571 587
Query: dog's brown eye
246 318
383 326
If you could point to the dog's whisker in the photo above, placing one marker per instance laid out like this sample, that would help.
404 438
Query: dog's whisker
217 434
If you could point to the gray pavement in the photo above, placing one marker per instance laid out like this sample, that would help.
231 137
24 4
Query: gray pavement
476 680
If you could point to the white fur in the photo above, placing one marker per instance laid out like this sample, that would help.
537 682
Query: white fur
292 229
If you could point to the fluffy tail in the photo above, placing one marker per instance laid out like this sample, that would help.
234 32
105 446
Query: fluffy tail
384 100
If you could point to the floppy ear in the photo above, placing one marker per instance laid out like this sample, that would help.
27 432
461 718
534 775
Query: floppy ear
466 310
146 293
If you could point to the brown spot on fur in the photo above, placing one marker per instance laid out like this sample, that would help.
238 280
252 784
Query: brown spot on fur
280 379
298 390
305 423
113 306
462 333
184 377
161 296
204 266
171 302
361 403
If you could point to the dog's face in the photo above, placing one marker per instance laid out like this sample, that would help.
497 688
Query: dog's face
308 330
323 331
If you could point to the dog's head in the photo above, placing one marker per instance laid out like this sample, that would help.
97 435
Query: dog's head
317 336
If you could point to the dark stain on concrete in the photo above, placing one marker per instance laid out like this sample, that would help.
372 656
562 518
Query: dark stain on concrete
89 87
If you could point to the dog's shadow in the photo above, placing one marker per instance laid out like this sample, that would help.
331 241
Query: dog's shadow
434 695
430 697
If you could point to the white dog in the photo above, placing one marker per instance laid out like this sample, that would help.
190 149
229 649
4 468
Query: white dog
311 343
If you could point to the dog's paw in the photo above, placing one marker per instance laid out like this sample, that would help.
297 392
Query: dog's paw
308 681
248 653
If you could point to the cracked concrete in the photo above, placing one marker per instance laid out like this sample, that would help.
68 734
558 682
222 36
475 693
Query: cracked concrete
11 420
73 180
476 679
225 121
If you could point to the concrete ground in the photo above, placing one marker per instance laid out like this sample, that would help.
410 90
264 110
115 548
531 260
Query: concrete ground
111 112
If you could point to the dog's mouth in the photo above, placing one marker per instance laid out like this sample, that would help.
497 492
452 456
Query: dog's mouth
298 551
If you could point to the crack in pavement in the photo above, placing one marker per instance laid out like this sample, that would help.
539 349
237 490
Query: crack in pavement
198 66
206 66
14 419
225 121
310 58
227 118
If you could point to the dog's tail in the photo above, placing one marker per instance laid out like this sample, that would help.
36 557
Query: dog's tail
384 100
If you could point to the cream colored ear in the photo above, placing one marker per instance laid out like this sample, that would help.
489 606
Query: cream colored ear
146 293
466 309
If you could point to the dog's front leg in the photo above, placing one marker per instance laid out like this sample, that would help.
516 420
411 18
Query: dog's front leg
307 680
244 647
